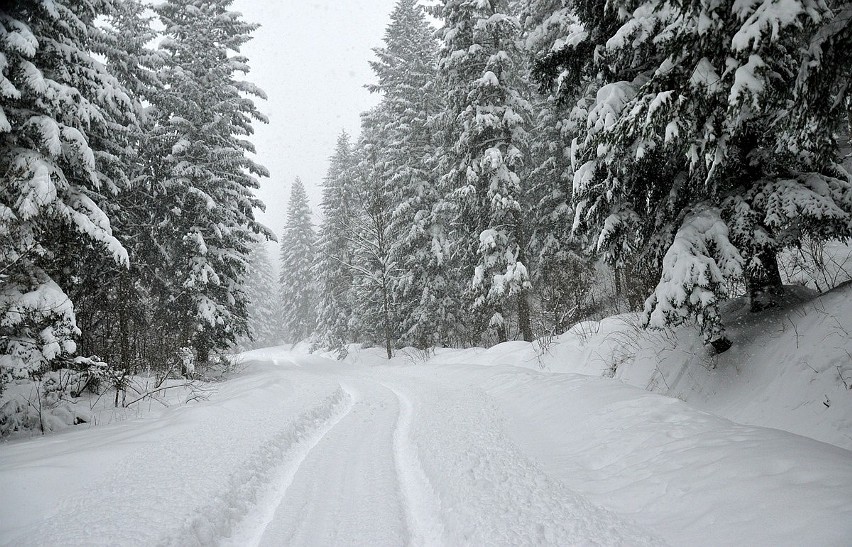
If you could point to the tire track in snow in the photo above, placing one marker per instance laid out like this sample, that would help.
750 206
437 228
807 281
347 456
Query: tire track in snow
272 501
422 506
241 514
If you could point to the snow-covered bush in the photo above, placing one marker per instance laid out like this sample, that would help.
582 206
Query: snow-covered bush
47 401
87 390
695 268
37 323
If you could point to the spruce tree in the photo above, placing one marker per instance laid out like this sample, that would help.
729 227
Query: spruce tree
562 273
686 158
114 317
374 269
400 149
264 312
333 264
297 282
485 138
204 179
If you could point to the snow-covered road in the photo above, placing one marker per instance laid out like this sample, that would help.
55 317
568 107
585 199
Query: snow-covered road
300 450
352 460
366 476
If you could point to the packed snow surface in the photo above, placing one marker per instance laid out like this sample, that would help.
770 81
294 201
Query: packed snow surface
303 450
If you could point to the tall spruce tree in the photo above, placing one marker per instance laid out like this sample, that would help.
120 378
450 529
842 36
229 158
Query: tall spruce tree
296 279
562 273
333 265
485 137
401 148
61 118
114 317
374 268
204 177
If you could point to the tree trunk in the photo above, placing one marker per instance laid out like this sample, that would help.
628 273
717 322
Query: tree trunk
524 317
123 328
202 351
523 303
616 278
386 311
765 285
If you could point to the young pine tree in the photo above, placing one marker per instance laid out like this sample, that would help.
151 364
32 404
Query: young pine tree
296 282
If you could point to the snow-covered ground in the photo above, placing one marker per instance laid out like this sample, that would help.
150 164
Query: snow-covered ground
507 446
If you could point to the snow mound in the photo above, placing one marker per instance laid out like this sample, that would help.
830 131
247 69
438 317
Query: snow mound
789 367
693 478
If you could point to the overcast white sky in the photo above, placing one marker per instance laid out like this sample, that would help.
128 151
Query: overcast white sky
312 59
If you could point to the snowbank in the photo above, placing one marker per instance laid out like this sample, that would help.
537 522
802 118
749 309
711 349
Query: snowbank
789 367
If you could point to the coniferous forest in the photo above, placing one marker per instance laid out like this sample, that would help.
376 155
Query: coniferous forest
534 163
531 163
544 272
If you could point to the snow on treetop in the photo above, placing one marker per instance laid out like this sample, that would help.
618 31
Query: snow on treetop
640 27
20 40
705 75
488 79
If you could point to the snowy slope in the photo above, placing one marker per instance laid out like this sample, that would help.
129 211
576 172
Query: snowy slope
790 368
688 477
693 478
